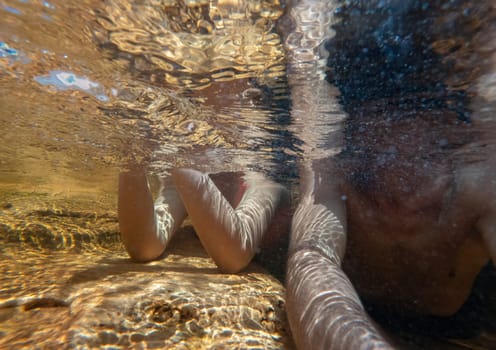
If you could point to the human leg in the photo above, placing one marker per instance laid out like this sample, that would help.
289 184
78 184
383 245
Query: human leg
230 235
146 227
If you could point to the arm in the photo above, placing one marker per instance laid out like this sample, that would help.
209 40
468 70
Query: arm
324 309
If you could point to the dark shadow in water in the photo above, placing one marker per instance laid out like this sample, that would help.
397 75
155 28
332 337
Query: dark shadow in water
184 244
393 56
407 61
476 315
114 267
274 258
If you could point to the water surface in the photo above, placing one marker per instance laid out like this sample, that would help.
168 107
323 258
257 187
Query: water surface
86 87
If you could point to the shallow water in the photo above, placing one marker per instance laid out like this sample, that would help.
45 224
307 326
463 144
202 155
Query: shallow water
87 87
111 92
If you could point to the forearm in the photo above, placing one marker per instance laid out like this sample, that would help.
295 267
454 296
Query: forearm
323 308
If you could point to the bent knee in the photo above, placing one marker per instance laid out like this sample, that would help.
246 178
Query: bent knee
144 254
233 264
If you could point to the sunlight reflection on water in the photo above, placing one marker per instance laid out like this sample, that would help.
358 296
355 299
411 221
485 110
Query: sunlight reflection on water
66 81
85 87
162 53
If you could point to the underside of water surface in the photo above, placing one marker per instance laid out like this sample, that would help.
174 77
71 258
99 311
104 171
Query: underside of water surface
88 88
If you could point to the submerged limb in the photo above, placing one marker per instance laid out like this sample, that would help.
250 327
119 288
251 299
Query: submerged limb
169 212
146 227
324 309
230 236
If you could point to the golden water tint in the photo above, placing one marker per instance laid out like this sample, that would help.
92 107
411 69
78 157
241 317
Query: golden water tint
85 86
71 117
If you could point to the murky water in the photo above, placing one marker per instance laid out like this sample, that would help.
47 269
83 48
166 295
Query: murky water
86 87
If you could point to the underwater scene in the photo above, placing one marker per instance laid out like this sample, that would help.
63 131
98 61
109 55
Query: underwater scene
90 88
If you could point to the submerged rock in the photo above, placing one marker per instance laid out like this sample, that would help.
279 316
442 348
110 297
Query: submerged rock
94 296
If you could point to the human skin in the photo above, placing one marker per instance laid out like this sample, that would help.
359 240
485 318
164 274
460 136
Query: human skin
397 196
233 213
401 214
